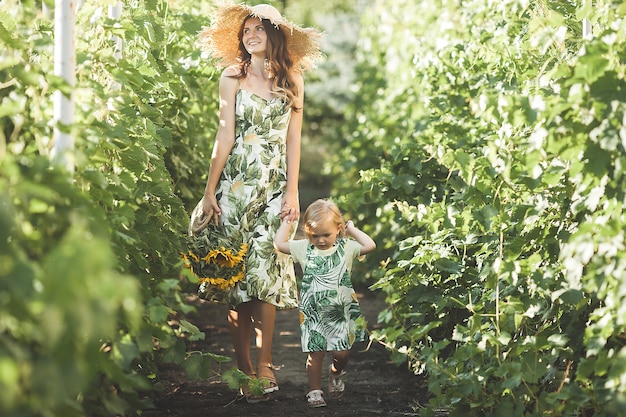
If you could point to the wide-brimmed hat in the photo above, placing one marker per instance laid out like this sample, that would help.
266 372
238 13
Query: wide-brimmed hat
221 39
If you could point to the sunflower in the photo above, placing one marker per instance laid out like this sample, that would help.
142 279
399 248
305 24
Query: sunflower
216 258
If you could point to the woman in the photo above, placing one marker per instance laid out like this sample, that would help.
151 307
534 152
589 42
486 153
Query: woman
253 177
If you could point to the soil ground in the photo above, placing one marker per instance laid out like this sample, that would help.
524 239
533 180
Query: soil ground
374 385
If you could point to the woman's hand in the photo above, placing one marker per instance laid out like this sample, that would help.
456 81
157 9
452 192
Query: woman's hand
290 209
210 208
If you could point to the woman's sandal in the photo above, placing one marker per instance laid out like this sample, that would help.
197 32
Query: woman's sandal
336 386
244 389
315 398
266 373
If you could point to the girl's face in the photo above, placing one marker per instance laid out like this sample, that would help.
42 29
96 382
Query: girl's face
254 37
323 235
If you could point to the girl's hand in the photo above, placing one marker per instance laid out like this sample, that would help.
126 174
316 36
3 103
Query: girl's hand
290 209
210 208
366 242
349 225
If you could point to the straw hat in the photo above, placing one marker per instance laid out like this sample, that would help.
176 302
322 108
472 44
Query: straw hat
221 39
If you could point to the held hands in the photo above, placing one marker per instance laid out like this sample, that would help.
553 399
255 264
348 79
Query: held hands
290 209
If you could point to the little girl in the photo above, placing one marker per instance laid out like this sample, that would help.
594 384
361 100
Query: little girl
328 303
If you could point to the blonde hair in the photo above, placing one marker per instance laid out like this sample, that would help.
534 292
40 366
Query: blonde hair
321 211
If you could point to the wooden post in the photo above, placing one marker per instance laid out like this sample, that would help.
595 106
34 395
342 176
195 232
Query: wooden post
115 12
65 67
587 32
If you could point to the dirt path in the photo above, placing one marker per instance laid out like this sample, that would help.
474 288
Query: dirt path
374 386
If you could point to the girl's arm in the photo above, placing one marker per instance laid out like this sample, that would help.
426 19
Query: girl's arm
281 238
294 133
366 242
224 140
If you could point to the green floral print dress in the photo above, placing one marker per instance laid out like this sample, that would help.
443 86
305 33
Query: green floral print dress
250 194
329 307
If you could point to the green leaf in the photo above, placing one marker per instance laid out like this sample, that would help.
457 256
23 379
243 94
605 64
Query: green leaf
558 339
194 333
448 265
193 366
125 351
591 67
175 353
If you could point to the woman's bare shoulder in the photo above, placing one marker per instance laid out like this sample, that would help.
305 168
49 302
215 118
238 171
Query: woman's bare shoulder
297 77
234 71
229 83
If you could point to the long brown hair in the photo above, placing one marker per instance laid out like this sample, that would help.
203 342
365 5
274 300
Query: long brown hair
280 63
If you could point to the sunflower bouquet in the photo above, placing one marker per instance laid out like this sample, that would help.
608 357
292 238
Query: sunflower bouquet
216 258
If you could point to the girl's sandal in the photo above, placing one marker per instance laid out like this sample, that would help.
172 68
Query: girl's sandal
336 386
315 398
266 374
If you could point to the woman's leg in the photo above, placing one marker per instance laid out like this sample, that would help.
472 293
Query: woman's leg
263 319
240 324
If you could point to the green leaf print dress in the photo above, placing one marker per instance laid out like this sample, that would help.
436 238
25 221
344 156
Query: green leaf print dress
329 306
250 194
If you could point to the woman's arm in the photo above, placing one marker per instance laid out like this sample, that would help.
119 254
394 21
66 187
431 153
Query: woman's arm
294 133
224 140
366 242
281 238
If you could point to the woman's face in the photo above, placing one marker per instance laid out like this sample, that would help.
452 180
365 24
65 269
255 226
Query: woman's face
254 37
323 235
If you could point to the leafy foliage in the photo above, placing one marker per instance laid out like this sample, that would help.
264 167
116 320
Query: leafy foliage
145 122
484 150
90 273
488 145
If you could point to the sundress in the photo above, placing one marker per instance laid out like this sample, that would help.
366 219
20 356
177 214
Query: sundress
250 194
329 306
